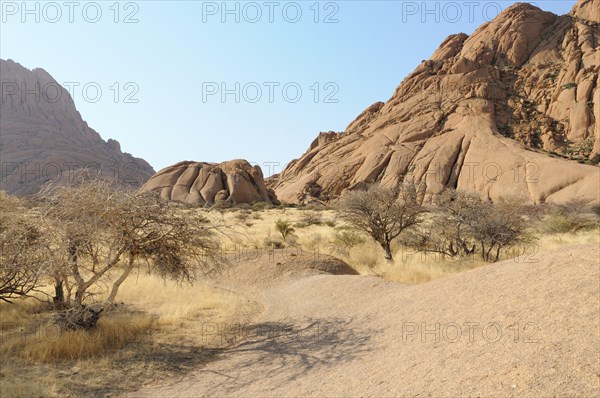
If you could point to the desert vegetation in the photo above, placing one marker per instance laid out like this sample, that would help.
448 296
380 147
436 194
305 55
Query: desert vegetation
96 280
384 214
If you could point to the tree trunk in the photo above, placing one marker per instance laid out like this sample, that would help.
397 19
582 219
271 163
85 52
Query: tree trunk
72 250
59 295
115 287
388 250
483 250
79 296
497 254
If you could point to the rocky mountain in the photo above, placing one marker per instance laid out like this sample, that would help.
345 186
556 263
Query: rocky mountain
200 183
45 143
511 110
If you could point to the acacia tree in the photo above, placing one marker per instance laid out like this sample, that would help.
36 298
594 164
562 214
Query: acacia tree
449 231
383 213
498 226
463 224
25 255
105 233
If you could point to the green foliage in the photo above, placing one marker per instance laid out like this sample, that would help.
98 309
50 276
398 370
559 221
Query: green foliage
573 216
284 227
348 239
311 218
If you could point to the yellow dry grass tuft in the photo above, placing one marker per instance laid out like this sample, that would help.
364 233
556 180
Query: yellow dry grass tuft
175 304
160 331
47 343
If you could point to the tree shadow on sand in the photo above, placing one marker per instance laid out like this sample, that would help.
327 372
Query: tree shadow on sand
289 349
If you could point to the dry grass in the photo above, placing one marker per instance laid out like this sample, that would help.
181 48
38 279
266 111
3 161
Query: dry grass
164 329
408 265
256 229
174 305
366 258
261 228
47 343
160 332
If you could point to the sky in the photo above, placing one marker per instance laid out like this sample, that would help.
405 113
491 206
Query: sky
214 81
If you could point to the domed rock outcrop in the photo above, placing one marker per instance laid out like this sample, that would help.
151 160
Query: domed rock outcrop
201 183
511 110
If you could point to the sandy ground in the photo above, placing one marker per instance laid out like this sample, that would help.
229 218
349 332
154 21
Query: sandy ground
524 327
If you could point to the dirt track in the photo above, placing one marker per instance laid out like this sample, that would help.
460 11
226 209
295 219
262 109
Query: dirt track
508 329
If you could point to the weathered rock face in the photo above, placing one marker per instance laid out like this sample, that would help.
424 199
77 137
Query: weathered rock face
512 110
199 183
44 142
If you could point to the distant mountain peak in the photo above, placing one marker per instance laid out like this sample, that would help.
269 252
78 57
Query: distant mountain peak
45 141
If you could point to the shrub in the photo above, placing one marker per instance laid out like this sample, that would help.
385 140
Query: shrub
270 243
330 223
312 218
464 224
347 240
556 222
284 227
260 206
243 215
26 255
256 216
571 216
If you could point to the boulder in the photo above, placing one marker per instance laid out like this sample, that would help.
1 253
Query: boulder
201 183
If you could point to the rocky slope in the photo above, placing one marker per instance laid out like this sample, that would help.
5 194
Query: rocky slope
511 110
45 143
200 183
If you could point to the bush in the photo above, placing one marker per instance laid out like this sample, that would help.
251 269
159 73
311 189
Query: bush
270 243
27 255
284 227
330 223
260 206
311 218
256 216
347 240
284 205
556 223
464 224
244 206
223 205
243 215
572 216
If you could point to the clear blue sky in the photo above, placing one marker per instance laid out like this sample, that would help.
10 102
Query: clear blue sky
174 53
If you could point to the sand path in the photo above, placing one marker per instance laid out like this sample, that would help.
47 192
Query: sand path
507 329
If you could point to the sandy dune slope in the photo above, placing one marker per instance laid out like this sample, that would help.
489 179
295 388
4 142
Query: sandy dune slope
524 327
